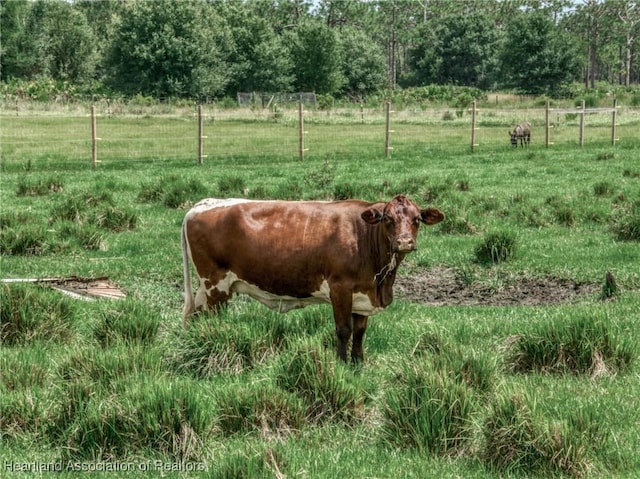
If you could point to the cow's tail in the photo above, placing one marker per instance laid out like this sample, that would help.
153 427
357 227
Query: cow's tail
189 304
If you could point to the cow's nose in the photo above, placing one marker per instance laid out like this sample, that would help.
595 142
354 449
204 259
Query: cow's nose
405 244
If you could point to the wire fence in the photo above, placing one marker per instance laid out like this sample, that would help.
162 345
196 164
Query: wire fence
203 133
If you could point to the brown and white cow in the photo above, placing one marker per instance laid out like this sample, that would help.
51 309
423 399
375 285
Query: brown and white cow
289 254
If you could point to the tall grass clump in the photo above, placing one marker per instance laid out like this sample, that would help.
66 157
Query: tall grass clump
171 418
38 187
221 345
330 390
477 371
13 219
150 193
145 416
259 408
564 216
72 399
29 313
116 219
626 226
561 210
496 247
79 207
89 209
437 190
344 191
428 410
231 185
182 191
457 222
583 344
412 185
240 465
90 377
517 440
26 240
172 191
25 369
603 188
105 367
22 413
288 190
87 236
127 321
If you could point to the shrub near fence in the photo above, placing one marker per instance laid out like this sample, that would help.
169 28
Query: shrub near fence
205 133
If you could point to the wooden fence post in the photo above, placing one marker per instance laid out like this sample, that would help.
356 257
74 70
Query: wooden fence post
613 122
581 123
387 133
201 136
94 139
473 125
546 122
301 132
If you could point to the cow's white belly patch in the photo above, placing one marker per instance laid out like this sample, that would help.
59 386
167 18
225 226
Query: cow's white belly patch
232 284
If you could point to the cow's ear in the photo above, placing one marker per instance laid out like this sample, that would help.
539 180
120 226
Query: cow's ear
372 216
431 216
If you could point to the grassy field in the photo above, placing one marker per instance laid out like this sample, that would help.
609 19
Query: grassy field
445 391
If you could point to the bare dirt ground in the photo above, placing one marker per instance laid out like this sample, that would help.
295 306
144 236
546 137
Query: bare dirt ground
447 287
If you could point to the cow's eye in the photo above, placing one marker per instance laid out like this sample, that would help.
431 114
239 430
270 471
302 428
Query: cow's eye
416 220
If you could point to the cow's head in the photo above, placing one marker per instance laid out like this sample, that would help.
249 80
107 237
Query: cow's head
400 219
514 138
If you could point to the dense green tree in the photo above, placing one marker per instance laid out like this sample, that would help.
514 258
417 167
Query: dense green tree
47 38
424 58
628 29
364 65
67 40
536 56
258 59
456 50
18 53
607 33
103 16
318 58
169 48
191 48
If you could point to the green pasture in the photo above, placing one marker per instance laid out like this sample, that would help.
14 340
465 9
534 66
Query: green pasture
444 391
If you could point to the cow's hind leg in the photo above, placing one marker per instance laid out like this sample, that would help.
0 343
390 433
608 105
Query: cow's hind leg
217 299
210 296
359 328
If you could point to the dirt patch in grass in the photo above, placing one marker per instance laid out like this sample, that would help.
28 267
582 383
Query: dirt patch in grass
444 286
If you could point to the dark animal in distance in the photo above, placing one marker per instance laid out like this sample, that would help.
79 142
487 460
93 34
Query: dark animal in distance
289 254
521 132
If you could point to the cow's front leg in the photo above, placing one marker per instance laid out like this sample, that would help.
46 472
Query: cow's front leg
359 328
341 303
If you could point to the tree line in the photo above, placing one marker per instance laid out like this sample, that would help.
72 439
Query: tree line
340 48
